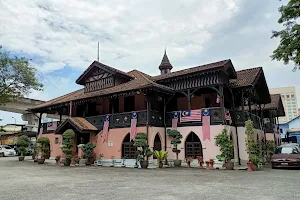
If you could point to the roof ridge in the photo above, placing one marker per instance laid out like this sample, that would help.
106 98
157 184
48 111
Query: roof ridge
249 69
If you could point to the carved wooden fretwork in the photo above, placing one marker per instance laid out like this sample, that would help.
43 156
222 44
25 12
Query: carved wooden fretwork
99 84
196 81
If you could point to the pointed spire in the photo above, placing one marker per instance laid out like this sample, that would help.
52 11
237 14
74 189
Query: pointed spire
165 63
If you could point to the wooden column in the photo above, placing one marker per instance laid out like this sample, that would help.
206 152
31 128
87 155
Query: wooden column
222 105
60 117
243 108
70 109
39 125
189 99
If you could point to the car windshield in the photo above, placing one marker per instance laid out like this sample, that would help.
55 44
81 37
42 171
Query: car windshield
7 147
285 150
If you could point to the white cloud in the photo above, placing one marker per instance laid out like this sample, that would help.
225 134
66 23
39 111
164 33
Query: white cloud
132 33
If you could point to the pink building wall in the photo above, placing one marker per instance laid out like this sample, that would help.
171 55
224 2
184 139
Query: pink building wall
55 149
210 150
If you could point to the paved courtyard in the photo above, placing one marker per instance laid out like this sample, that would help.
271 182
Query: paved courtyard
28 180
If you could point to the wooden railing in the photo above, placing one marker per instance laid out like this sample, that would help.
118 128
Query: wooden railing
241 117
119 120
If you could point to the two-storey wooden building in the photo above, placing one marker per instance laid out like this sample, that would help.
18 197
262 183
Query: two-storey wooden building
107 91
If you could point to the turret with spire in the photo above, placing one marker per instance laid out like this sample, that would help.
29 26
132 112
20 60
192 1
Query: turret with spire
165 65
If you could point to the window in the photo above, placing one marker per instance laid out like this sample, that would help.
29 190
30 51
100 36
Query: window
281 130
129 104
292 96
56 140
287 96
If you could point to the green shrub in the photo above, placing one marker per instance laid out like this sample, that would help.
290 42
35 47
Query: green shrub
88 150
226 145
43 145
142 145
23 142
252 145
68 143
176 139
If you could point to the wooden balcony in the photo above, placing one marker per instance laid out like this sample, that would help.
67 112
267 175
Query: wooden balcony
120 120
215 118
242 117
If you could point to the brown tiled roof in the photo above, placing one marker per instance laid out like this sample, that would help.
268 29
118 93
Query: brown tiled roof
245 77
140 81
96 63
191 70
80 123
276 104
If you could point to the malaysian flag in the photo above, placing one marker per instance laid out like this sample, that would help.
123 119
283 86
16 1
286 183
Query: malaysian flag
218 99
206 123
133 125
105 128
175 117
191 116
228 116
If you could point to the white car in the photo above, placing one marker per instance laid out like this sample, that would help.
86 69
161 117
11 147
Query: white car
7 151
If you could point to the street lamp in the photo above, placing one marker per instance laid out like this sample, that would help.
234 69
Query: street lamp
15 123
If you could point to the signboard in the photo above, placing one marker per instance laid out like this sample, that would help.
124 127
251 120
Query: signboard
110 143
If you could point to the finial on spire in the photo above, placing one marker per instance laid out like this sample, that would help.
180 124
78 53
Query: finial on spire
165 65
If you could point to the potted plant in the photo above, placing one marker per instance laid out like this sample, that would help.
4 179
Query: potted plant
67 145
176 139
160 155
23 142
57 158
99 163
76 160
188 161
200 161
252 147
112 161
226 147
43 147
270 149
88 150
143 149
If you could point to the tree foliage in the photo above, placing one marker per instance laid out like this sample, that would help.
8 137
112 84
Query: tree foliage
17 77
226 145
289 47
68 143
43 145
176 139
88 150
23 142
252 145
142 145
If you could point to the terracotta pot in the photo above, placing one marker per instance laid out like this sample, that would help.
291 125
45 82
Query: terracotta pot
211 164
21 158
207 164
253 167
67 162
144 164
229 165
160 164
88 163
41 160
177 163
200 161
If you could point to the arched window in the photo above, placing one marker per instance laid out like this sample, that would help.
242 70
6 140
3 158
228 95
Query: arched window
128 150
193 146
157 144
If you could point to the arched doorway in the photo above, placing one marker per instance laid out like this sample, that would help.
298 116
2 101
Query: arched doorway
128 150
193 146
156 144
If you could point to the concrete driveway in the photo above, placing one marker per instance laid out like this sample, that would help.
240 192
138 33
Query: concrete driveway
28 180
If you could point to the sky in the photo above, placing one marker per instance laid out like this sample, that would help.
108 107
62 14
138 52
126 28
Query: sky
60 38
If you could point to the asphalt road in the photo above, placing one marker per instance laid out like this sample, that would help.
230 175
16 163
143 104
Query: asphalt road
30 181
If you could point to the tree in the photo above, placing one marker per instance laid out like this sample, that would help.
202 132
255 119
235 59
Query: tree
17 77
176 139
289 47
23 142
67 145
142 145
